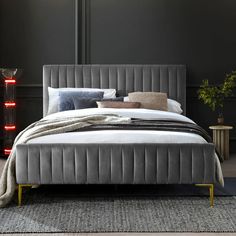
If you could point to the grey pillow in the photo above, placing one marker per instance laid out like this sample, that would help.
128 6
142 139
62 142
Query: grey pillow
71 100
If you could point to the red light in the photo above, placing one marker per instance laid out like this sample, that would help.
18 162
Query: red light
7 151
10 81
9 127
9 104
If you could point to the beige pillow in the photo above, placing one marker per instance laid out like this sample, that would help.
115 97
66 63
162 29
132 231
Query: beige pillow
111 104
150 100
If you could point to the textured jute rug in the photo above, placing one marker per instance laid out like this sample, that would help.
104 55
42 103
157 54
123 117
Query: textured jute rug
45 211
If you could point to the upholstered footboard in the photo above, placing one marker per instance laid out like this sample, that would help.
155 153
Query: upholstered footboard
115 164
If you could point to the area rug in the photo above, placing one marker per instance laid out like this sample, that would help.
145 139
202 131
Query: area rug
70 213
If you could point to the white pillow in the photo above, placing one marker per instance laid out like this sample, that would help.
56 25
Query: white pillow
53 94
172 105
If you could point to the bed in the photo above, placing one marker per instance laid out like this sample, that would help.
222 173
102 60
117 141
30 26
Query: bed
90 161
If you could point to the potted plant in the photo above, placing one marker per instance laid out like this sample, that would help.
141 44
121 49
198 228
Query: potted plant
214 96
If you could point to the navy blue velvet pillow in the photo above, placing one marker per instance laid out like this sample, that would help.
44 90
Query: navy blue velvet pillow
69 100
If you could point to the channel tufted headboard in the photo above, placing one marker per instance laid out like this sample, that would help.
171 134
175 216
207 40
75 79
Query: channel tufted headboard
125 78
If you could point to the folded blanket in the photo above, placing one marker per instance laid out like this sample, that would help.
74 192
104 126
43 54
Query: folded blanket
41 128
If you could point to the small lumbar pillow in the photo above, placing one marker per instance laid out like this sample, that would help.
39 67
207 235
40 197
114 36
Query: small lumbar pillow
53 95
172 105
82 103
78 100
150 100
112 104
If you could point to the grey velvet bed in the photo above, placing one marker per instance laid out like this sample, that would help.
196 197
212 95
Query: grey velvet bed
116 163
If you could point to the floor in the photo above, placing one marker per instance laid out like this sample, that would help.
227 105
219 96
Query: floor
229 166
229 170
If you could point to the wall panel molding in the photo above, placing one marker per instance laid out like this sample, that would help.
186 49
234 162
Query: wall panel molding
85 31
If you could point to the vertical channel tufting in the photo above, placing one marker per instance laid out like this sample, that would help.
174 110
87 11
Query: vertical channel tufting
133 80
99 78
157 166
149 78
50 77
168 165
152 83
63 154
108 79
50 157
204 166
110 157
117 80
125 78
98 166
192 165
39 165
27 168
168 80
82 79
142 89
90 79
134 166
179 161
122 165
74 164
86 166
74 80
144 169
181 170
115 163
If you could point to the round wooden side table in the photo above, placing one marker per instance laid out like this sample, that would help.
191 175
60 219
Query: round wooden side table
221 139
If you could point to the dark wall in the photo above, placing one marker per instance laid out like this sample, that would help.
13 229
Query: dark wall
198 33
34 33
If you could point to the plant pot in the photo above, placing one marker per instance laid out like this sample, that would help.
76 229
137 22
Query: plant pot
220 120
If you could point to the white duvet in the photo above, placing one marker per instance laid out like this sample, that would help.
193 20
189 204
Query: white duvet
122 136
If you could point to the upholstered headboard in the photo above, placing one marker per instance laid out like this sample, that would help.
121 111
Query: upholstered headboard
125 78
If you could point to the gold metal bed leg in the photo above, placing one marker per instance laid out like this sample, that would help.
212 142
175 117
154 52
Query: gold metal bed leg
20 188
211 191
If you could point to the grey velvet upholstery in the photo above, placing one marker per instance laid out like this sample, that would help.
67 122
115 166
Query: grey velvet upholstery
115 164
170 79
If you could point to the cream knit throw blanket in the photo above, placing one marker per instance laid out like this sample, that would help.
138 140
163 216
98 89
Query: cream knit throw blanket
41 128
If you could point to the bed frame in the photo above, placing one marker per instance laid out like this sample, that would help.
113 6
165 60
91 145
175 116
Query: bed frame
116 163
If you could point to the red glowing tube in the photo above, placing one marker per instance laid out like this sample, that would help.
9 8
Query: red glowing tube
9 104
9 127
7 151
10 81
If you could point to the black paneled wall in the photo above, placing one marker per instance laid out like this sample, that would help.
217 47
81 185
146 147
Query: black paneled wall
34 33
197 33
